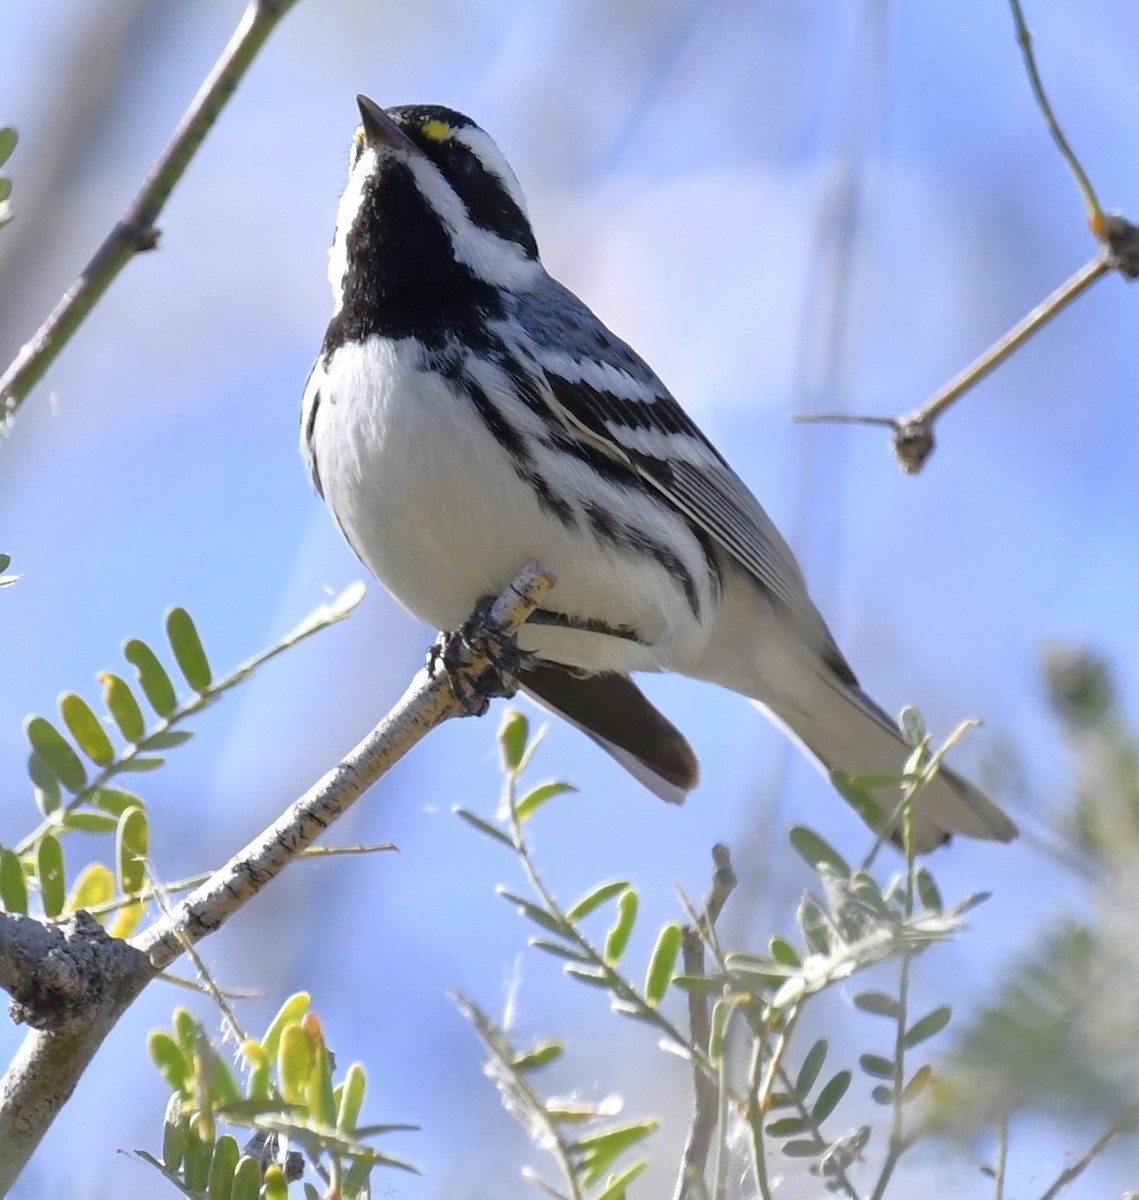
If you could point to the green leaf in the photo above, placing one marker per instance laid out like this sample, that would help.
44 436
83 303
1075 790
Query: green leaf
152 676
222 1168
49 871
114 800
491 831
878 1003
275 1185
199 1151
595 898
319 1094
833 1091
172 1064
132 844
351 1098
86 729
537 1056
125 920
917 1084
928 891
722 1012
932 1023
257 1065
534 799
662 963
5 559
45 784
95 886
174 1130
188 653
783 952
513 734
187 1031
594 976
807 1148
617 1183
295 1062
122 705
8 140
531 911
877 1066
167 739
140 764
814 850
289 1013
558 950
600 1149
814 925
868 807
812 1065
788 1127
89 822
223 1086
700 984
617 939
13 886
246 1179
56 752
882 1094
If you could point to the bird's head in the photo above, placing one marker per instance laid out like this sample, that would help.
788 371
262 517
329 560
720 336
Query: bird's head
431 210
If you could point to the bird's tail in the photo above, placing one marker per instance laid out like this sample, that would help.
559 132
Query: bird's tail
845 730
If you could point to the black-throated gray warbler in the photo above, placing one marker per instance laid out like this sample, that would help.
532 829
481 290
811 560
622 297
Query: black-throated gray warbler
468 414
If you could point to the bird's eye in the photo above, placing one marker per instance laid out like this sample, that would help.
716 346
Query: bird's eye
460 161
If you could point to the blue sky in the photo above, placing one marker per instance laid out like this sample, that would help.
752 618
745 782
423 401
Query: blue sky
783 207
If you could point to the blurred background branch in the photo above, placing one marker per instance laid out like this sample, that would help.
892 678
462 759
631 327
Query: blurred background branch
135 231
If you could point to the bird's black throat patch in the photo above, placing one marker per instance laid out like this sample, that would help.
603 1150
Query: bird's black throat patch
402 278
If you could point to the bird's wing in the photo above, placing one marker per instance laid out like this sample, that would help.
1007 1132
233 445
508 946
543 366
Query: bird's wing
608 396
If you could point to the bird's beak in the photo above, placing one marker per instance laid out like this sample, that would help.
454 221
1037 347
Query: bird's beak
380 130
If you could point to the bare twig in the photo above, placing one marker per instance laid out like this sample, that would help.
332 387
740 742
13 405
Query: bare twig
707 1102
135 232
51 1061
1002 1156
1124 1123
913 439
1024 39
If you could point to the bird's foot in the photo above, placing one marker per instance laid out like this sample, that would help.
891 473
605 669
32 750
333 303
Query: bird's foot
454 651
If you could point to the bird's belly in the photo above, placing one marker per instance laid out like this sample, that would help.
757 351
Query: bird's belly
435 508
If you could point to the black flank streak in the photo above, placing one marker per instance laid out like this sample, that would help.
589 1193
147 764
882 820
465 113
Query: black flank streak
617 532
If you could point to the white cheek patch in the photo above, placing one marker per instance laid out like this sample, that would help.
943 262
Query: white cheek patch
491 258
480 144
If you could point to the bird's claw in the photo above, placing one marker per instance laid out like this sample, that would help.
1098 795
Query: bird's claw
453 651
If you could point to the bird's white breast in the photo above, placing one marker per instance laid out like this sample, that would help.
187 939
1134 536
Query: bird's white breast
433 506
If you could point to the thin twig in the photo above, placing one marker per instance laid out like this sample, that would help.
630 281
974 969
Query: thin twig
754 1117
913 431
1124 1123
1024 39
706 1100
898 1144
1002 1155
135 232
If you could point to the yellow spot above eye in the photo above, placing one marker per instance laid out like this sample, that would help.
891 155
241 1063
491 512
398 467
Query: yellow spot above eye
358 138
437 131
